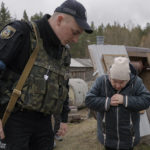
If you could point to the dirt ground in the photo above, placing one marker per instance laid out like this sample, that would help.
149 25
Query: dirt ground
82 136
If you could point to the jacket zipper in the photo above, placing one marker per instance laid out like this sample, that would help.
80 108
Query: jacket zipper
46 76
118 128
118 143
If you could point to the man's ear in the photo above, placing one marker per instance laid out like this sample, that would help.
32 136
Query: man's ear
59 19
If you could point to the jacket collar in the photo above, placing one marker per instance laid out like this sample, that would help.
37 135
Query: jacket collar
46 32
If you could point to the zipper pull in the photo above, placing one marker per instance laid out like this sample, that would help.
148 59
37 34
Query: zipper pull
46 75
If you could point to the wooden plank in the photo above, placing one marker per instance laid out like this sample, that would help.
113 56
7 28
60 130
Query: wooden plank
148 114
94 66
108 60
148 58
142 111
74 118
137 54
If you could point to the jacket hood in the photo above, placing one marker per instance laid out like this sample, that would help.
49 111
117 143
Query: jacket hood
133 74
133 70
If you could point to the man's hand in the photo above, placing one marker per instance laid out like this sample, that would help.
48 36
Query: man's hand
63 129
116 100
2 136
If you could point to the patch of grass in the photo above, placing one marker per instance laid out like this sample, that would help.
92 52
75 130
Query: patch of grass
83 136
142 147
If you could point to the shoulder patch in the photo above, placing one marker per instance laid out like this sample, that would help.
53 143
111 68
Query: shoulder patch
7 32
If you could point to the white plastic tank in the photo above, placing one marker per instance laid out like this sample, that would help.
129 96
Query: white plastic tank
77 92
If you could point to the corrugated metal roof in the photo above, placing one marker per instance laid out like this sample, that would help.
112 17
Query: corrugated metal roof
85 62
77 62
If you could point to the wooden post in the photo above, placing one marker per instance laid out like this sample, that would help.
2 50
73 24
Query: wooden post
148 58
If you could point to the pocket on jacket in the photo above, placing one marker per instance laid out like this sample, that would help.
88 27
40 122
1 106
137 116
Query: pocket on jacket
38 86
33 92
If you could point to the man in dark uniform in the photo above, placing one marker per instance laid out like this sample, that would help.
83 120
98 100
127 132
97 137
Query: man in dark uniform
46 88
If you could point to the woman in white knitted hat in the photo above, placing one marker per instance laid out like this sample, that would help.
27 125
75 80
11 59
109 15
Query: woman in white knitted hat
118 98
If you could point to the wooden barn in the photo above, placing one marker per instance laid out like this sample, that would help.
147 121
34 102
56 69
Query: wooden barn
81 68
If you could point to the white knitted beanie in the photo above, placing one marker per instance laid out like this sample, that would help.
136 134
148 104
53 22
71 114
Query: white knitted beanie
120 69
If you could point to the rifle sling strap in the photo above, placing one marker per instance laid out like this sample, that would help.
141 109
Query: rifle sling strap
17 91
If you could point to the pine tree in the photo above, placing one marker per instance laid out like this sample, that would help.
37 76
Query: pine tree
25 16
4 15
37 16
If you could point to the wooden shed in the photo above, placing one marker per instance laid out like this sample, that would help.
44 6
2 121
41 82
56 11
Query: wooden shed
81 68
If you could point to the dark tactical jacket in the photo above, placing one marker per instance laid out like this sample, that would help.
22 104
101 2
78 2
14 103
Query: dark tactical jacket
15 55
45 89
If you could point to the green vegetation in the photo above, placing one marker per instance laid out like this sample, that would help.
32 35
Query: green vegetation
114 34
4 15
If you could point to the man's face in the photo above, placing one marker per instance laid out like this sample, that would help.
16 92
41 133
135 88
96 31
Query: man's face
69 31
118 84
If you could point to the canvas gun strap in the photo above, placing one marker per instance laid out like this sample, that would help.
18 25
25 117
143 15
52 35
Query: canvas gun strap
17 90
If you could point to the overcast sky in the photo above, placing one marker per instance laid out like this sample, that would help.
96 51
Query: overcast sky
129 12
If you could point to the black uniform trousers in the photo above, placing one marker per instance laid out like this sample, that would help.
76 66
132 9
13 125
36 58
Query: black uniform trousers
29 130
